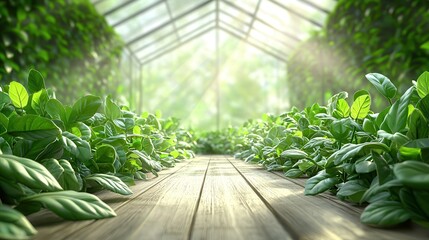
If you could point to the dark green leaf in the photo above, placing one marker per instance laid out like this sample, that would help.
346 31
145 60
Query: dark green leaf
294 154
56 110
84 108
423 84
14 225
320 183
384 214
293 173
413 174
63 172
32 127
382 84
396 119
35 81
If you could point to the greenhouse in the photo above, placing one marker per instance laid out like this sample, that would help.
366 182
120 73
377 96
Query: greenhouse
214 119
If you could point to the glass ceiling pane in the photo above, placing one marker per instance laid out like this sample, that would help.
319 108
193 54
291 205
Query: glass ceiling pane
152 38
230 28
143 23
195 15
169 40
234 22
128 10
237 13
186 29
247 5
305 9
178 7
106 5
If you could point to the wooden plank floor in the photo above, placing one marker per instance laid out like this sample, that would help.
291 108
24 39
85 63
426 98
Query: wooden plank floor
218 197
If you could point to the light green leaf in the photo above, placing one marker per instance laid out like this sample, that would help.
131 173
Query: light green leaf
384 214
71 205
18 94
27 172
342 109
110 182
294 154
14 225
35 81
111 110
39 100
423 84
382 84
361 107
105 156
32 127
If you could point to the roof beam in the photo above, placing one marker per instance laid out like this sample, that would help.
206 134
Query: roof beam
171 18
255 13
169 22
315 6
124 4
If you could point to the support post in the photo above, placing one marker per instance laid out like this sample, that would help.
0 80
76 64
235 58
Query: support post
217 82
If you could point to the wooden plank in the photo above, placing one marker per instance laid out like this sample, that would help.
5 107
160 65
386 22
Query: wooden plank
230 209
315 217
50 226
164 211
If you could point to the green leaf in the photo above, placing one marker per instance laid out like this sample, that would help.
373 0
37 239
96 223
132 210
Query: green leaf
76 146
35 81
110 182
4 123
320 183
4 99
14 225
352 150
342 109
124 123
413 174
423 84
111 109
70 205
417 125
382 84
27 172
384 214
384 172
32 127
294 154
84 108
415 202
63 172
81 130
396 119
352 190
340 129
105 156
365 167
39 100
56 110
293 173
361 107
18 95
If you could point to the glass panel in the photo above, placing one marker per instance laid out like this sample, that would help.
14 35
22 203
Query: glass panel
163 32
305 9
229 28
234 22
143 23
196 15
178 7
267 40
237 13
186 29
202 29
128 10
106 5
272 33
248 5
169 40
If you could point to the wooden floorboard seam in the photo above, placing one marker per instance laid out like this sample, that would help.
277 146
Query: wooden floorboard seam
283 222
194 217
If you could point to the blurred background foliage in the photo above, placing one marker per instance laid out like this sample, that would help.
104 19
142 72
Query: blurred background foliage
361 37
66 40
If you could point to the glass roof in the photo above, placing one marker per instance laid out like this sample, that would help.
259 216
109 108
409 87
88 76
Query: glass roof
152 28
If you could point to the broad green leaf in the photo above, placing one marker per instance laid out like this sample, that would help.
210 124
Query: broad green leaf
340 129
384 214
417 125
294 154
384 172
352 150
35 81
81 130
4 99
353 190
293 173
78 147
63 172
84 108
342 109
105 156
110 182
369 126
415 202
332 102
56 110
39 100
423 84
14 225
124 123
18 94
365 167
360 107
4 123
418 143
27 172
111 110
71 205
382 84
413 174
320 183
423 106
396 119
32 127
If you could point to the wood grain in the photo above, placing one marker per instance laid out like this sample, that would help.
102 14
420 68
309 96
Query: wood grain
229 209
315 217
